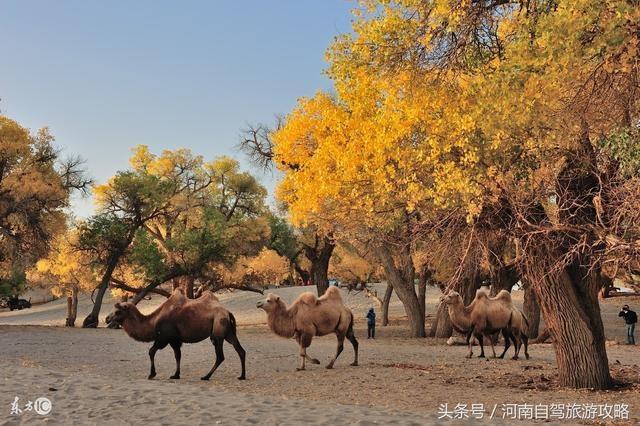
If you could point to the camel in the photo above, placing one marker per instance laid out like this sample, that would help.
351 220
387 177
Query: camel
310 316
461 320
181 320
487 316
492 314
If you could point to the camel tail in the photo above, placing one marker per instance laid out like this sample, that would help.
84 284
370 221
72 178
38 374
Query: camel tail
232 319
526 320
350 328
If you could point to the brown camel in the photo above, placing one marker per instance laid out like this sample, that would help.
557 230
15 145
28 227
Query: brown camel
181 320
492 314
310 316
486 316
461 319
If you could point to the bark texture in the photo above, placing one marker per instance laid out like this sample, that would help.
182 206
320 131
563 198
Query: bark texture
441 326
91 321
503 278
401 274
72 308
531 310
385 305
569 302
319 255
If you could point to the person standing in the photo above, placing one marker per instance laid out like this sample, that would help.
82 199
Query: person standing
371 324
630 318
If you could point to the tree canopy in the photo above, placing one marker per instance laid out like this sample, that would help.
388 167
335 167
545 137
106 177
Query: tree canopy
508 129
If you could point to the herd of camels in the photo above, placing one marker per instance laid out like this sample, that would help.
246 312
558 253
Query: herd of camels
182 320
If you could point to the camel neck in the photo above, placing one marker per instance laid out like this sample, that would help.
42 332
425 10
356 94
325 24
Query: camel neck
459 317
139 326
281 322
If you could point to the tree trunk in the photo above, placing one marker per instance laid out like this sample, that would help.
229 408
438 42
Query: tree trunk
531 311
304 275
606 288
188 286
385 305
320 274
441 326
425 275
72 308
569 302
401 279
503 278
91 321
319 255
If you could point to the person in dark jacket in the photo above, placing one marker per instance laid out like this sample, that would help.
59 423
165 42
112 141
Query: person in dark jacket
371 324
630 318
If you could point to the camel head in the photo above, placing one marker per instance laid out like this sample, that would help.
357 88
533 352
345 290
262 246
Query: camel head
122 312
269 303
452 298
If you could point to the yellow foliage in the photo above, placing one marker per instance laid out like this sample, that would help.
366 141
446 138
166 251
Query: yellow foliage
405 134
267 268
64 268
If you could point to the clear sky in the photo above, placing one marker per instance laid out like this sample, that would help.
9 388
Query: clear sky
105 76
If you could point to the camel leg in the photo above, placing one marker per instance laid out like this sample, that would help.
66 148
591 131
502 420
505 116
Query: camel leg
306 356
338 350
493 340
217 344
354 343
469 334
233 339
178 354
507 341
152 355
525 340
304 340
480 338
518 343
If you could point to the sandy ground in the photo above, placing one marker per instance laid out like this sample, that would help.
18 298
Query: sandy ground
99 376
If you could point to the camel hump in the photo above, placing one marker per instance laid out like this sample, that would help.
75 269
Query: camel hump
209 295
179 291
482 292
332 293
503 296
308 298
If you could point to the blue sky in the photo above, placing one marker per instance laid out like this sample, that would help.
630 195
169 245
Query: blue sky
106 76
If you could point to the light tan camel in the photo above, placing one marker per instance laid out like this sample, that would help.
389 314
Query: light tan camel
310 316
181 320
486 316
492 314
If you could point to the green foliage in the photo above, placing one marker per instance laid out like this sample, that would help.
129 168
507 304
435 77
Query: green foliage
13 284
137 196
193 247
624 146
283 239
103 234
145 256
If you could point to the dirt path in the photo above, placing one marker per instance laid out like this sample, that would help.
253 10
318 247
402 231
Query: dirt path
102 374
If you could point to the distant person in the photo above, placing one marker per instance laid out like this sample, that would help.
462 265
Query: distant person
371 324
630 318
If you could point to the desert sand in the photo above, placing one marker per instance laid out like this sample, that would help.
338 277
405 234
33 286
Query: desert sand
99 376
